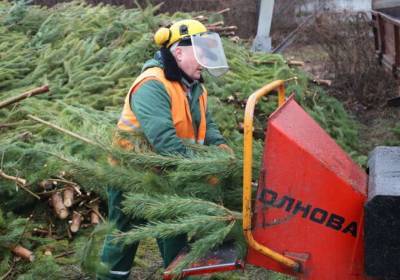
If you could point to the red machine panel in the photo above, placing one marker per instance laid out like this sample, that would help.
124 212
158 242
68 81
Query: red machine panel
310 200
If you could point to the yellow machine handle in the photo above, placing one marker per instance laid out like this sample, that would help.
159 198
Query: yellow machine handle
247 172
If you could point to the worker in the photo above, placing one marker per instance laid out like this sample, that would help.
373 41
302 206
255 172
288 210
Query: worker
167 104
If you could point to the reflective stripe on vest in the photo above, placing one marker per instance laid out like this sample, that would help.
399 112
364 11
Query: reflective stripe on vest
182 119
127 123
123 273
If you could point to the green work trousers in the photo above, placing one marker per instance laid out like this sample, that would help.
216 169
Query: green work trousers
119 257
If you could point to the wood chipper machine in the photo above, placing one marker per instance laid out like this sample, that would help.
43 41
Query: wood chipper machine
317 215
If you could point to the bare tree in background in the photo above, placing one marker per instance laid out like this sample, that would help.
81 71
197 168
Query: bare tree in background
347 40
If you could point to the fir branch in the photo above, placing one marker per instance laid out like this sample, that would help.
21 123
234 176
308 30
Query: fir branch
84 170
4 276
12 231
160 207
190 225
200 247
88 248
70 133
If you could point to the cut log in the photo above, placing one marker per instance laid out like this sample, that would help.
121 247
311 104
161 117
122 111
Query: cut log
323 82
295 63
68 196
76 222
23 253
69 184
218 23
48 252
59 206
94 217
223 11
39 231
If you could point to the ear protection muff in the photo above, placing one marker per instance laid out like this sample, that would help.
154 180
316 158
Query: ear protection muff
166 36
162 36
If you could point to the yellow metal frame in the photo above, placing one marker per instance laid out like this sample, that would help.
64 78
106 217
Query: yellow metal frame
247 172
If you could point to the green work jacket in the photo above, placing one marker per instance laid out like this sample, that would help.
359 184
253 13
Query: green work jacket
151 105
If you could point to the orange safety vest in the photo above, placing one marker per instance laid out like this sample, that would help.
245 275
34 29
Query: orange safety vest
180 109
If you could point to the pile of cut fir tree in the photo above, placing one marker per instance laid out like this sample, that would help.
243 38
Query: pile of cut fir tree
77 62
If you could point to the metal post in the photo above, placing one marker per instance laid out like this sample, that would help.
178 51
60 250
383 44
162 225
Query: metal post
262 42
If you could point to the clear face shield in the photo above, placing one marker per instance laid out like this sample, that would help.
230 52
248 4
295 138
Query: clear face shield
209 53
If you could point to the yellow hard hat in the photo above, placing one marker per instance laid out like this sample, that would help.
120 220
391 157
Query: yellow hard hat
179 30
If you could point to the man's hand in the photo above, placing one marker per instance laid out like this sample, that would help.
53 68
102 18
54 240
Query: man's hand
226 148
